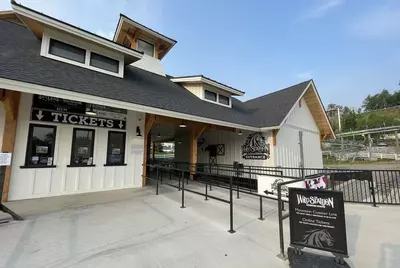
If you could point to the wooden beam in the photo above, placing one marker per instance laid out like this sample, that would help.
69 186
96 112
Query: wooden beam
324 136
10 101
148 124
274 134
194 135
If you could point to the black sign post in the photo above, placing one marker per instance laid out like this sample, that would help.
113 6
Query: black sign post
317 220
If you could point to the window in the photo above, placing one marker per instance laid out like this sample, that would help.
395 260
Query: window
145 47
67 51
209 95
82 147
223 99
40 148
104 62
116 148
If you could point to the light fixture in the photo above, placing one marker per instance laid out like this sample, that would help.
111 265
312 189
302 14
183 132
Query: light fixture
90 111
240 133
182 124
158 135
138 134
179 142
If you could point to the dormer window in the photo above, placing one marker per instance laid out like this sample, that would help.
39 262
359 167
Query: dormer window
217 98
223 100
145 47
103 62
67 51
209 95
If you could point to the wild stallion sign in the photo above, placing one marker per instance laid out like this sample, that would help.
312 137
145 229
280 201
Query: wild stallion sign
255 147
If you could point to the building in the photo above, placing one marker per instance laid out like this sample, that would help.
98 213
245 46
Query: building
80 111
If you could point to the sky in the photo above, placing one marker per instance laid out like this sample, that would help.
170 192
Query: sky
349 47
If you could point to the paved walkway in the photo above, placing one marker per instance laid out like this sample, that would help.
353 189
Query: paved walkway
153 231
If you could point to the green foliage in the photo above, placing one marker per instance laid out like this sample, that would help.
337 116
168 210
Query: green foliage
382 109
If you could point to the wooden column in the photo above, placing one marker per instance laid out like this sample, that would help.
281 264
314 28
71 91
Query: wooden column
274 134
10 101
195 133
147 127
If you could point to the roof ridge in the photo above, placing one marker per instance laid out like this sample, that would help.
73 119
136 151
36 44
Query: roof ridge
286 88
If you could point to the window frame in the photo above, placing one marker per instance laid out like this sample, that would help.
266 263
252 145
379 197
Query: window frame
29 144
69 40
98 54
108 148
75 129
229 100
216 95
148 42
70 45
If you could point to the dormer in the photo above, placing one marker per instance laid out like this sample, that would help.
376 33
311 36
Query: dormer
67 43
154 45
208 90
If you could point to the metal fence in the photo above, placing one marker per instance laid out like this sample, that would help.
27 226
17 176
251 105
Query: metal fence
358 185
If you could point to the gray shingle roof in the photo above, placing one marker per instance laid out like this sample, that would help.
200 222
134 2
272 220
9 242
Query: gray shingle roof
20 60
271 109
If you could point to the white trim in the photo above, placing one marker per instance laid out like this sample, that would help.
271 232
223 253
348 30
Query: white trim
62 26
44 51
269 128
197 79
59 93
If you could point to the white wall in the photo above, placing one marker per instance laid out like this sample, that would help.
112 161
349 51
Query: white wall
150 64
287 150
44 182
233 148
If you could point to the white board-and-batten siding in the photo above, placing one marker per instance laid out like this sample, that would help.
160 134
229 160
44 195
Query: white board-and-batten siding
233 148
28 183
287 149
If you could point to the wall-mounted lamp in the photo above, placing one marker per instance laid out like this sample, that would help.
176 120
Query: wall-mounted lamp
138 133
182 124
90 111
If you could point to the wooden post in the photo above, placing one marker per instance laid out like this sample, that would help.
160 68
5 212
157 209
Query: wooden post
195 133
10 101
274 134
147 127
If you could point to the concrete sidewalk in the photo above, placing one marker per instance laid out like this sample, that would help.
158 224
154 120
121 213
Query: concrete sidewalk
153 231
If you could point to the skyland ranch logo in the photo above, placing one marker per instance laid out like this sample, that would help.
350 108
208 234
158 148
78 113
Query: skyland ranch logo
255 147
315 201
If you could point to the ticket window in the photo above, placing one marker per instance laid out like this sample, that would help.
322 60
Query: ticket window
40 147
82 147
116 148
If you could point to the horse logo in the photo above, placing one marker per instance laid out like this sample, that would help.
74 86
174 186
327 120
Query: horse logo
255 147
318 238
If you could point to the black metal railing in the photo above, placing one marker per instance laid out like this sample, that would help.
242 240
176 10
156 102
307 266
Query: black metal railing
358 185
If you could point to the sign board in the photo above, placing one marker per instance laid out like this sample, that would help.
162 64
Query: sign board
77 107
75 119
5 159
268 185
255 147
317 220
